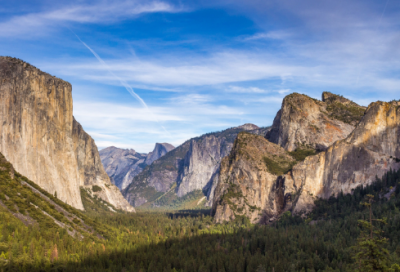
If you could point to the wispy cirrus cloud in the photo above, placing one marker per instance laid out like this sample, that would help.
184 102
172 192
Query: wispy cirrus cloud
239 89
273 35
217 68
103 12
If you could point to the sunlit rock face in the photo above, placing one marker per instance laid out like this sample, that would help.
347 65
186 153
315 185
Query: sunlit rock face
304 122
247 184
370 150
41 138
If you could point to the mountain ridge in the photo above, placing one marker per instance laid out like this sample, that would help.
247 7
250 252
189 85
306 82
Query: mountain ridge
176 167
357 159
122 165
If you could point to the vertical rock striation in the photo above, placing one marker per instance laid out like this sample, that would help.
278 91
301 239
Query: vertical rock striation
201 163
43 141
371 150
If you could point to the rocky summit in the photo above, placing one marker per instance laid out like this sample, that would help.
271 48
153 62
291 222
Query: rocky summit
159 151
43 141
304 122
261 180
122 165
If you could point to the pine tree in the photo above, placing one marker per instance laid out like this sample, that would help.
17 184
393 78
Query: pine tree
371 254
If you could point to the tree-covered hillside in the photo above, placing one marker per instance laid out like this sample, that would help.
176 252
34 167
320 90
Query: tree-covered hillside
186 240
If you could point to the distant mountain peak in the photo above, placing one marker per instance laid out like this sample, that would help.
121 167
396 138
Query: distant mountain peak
248 126
160 149
122 165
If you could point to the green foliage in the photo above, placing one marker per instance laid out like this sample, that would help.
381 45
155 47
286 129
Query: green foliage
170 201
190 241
300 154
96 189
370 252
278 165
347 113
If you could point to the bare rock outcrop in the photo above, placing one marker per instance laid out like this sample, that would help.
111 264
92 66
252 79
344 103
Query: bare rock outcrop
304 122
159 150
201 163
369 151
43 141
248 178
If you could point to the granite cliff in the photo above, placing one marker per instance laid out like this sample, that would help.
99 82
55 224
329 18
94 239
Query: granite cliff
122 165
159 150
246 187
192 166
43 141
304 122
247 179
371 150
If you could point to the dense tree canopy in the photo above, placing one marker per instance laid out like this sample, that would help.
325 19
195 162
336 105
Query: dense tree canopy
189 240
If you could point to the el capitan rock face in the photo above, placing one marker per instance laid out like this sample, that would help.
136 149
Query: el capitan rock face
303 122
122 165
43 141
370 150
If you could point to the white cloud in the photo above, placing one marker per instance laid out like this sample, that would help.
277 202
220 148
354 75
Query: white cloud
238 89
112 110
273 35
191 99
219 68
283 91
104 12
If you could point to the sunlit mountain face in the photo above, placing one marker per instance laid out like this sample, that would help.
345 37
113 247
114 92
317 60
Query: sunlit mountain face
165 71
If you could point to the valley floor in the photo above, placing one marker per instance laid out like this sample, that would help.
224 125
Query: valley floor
188 240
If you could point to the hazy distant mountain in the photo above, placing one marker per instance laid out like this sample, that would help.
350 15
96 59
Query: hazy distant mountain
122 165
192 166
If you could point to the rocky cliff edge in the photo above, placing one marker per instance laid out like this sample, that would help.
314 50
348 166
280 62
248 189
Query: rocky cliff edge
370 150
43 141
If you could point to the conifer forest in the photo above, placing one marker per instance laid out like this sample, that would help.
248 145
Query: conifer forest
328 239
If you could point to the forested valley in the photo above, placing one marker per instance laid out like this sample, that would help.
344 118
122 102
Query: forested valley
101 240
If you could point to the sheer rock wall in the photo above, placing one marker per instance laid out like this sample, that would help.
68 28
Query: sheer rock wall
41 138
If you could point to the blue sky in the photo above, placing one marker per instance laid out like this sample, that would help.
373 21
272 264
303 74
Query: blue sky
167 71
